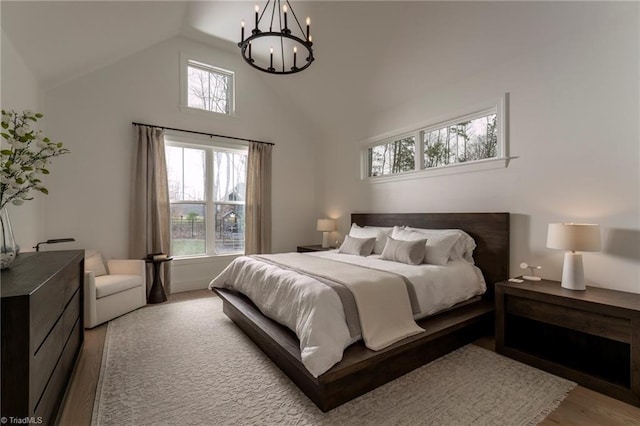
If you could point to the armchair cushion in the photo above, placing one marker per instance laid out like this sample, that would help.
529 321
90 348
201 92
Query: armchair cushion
106 285
93 262
126 267
120 290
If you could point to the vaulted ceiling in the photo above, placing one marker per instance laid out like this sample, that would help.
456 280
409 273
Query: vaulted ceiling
369 54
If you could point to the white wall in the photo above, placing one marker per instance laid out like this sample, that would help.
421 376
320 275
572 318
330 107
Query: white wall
574 136
20 90
90 188
571 70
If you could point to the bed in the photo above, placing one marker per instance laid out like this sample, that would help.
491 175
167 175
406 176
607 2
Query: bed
362 369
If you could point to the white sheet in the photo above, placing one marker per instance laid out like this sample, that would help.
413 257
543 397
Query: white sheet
314 311
437 287
384 308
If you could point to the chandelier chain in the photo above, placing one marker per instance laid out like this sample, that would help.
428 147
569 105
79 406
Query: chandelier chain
295 17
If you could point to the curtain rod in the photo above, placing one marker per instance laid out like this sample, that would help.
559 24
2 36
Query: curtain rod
200 133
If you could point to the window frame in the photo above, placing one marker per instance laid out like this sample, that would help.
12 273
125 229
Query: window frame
499 161
185 62
210 146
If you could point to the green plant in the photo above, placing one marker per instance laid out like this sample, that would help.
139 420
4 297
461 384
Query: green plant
25 160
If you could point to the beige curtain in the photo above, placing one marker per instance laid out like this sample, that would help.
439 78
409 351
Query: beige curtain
150 210
257 238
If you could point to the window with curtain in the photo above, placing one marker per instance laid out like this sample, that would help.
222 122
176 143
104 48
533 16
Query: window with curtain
207 192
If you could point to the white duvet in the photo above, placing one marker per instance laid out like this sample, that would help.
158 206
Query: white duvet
314 311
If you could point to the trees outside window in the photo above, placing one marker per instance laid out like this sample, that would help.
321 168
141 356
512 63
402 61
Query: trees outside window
393 157
469 140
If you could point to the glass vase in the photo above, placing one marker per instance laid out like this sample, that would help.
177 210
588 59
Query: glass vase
8 246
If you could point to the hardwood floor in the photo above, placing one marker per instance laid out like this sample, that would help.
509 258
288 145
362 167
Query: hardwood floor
582 406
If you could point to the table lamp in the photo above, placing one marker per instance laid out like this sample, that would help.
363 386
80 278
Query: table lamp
326 226
573 237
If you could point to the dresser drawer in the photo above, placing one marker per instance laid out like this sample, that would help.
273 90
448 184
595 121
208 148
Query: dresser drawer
48 302
614 328
54 391
47 356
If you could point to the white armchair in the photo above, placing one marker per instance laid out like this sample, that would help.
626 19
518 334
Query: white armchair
112 291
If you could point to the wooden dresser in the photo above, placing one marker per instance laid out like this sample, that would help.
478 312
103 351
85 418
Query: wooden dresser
42 332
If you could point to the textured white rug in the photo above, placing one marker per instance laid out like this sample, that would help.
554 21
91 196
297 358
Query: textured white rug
187 363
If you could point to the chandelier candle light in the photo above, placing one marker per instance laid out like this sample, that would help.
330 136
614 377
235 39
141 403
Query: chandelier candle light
286 60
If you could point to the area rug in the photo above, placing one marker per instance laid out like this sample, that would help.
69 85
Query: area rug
187 363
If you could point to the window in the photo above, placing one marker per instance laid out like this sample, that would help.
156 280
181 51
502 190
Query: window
468 140
395 156
207 88
467 143
207 186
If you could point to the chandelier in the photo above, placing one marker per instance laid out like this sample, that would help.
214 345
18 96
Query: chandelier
282 38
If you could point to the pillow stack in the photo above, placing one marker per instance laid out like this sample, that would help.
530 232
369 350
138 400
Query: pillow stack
378 232
463 247
410 245
437 248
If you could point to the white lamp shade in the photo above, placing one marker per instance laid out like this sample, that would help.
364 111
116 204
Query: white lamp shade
574 236
326 225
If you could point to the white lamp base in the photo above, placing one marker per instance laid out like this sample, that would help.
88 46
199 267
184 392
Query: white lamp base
573 272
325 240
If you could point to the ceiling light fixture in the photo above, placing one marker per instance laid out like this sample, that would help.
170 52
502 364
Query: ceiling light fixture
286 59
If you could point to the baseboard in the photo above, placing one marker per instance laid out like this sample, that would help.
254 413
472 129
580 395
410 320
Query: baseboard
181 286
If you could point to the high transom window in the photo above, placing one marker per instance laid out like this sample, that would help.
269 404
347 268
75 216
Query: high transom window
394 156
466 143
467 140
207 88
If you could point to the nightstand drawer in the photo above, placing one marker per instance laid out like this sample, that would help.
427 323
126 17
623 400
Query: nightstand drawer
614 328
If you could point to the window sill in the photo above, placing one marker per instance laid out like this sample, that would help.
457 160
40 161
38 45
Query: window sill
194 260
475 166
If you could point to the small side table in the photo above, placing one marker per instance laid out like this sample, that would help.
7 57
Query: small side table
157 293
591 337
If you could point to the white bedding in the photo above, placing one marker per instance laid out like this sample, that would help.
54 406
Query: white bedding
314 311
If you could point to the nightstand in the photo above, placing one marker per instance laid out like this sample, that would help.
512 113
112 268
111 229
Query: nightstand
591 337
307 249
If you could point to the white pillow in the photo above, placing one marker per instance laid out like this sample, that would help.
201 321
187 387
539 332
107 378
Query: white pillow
378 232
410 252
462 249
438 248
93 262
357 246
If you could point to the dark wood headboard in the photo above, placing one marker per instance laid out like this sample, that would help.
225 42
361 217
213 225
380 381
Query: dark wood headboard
489 230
